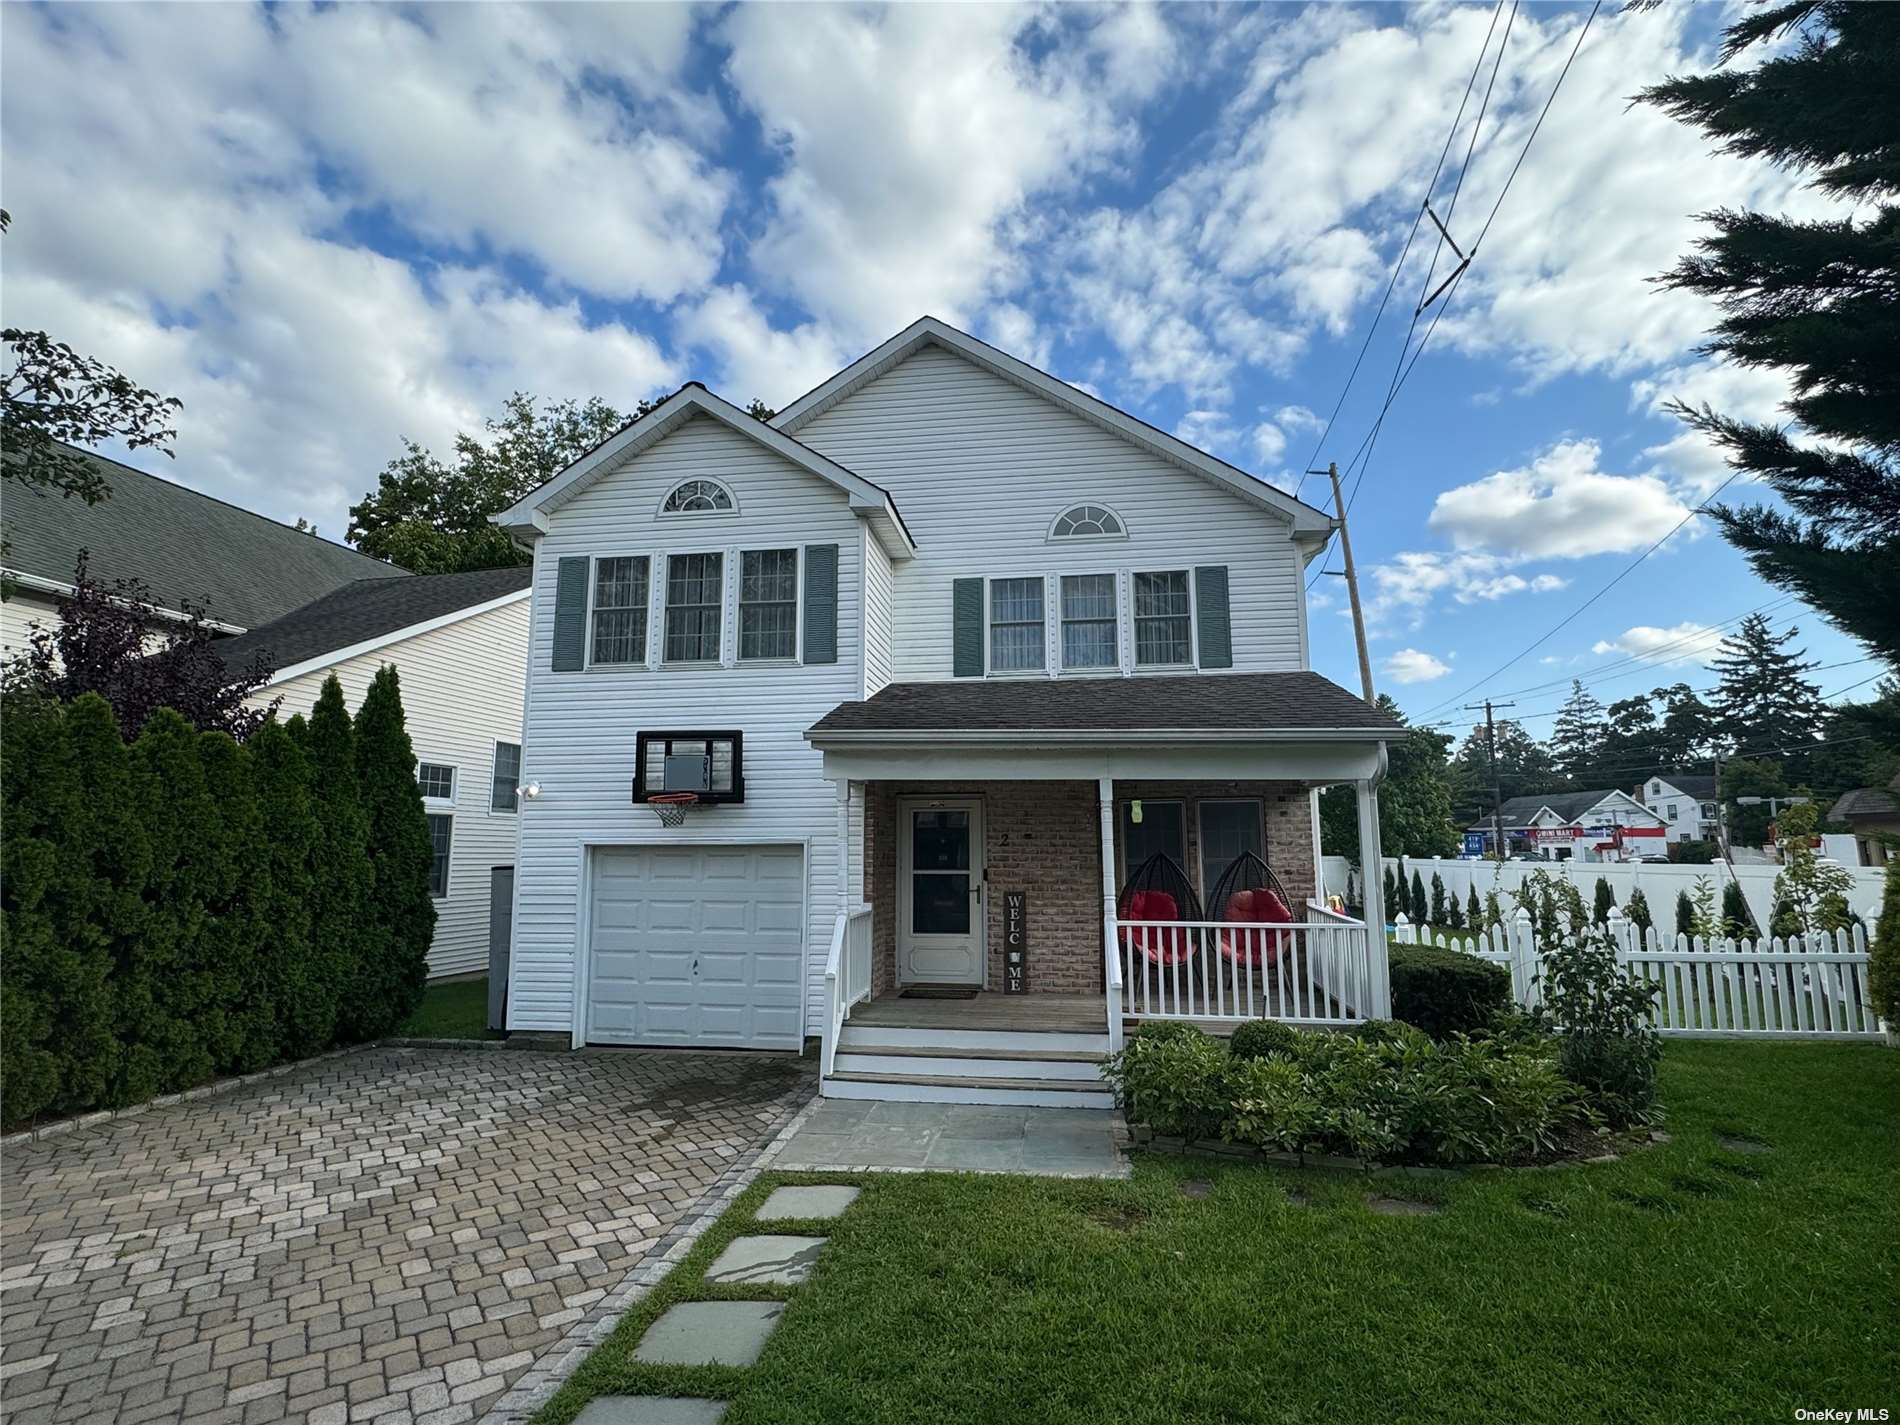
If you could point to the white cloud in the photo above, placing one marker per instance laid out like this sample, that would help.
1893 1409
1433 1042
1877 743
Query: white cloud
1269 443
755 359
1410 665
1686 642
1405 586
1746 393
1559 506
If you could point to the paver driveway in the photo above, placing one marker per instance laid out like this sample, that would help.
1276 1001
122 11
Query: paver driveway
391 1235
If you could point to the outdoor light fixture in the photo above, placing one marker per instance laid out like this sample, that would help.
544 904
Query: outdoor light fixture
531 791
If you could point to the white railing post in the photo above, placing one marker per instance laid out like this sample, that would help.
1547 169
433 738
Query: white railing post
1523 949
1111 952
1402 930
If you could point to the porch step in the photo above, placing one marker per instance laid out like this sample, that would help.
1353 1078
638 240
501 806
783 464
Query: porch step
880 1038
975 1063
961 1088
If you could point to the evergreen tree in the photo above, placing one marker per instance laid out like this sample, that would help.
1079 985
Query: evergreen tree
1883 970
1454 915
1763 704
343 964
235 951
1736 920
402 912
1605 902
1393 905
1688 731
1819 299
1420 908
1637 909
1415 808
302 991
1760 778
1685 914
1438 899
1577 734
1474 911
1524 766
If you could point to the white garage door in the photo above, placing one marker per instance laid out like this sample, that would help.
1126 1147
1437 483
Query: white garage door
698 945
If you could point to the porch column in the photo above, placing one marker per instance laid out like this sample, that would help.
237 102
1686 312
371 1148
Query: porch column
844 846
1111 957
1372 877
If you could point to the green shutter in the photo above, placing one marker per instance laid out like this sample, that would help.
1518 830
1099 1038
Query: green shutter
821 603
966 642
570 615
1210 611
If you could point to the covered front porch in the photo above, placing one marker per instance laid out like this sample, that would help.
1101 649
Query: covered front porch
985 873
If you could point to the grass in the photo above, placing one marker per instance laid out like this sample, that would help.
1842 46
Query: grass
451 1009
1687 1281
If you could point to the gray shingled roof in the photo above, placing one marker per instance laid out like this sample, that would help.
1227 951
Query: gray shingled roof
1865 801
1518 811
1700 785
1213 702
241 568
369 608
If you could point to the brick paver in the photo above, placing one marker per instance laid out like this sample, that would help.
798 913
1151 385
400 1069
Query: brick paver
393 1235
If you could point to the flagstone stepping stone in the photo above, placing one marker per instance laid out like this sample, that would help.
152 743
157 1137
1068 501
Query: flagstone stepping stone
650 1410
807 1202
766 1260
709 1333
1736 1144
1401 1207
1197 1188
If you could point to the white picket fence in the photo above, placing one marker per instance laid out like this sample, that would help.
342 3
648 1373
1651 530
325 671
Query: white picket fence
1812 987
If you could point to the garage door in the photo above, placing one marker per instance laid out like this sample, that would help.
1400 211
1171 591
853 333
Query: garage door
698 945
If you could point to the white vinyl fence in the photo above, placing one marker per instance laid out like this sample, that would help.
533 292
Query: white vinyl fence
1811 987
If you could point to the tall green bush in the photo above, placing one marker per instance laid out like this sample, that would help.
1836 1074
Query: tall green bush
1736 919
301 989
1474 908
1439 916
1420 909
402 913
1605 902
340 920
1884 959
1393 904
1685 914
1637 909
237 949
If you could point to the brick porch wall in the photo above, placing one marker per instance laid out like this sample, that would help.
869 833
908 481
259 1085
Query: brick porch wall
1043 838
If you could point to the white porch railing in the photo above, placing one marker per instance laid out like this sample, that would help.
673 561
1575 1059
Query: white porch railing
847 977
1321 971
1112 975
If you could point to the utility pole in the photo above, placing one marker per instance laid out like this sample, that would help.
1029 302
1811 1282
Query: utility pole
1491 755
1352 581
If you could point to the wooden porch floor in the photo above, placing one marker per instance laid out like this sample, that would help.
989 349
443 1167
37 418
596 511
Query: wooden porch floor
989 1010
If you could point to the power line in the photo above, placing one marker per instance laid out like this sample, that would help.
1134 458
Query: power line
1861 684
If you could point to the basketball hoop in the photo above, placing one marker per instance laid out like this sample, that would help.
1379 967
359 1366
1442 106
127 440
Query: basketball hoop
670 807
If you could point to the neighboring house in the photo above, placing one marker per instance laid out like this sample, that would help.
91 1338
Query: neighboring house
1870 813
243 570
460 646
1685 803
944 651
1605 825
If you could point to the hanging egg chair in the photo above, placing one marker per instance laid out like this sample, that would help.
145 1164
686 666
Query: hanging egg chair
1158 890
1250 894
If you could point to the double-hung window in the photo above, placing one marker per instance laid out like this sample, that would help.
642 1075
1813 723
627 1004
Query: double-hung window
1163 625
441 834
435 781
1016 625
620 610
1088 621
695 594
768 604
507 776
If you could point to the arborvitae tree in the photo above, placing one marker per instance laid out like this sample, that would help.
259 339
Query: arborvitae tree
1883 971
175 1012
1577 734
1605 902
344 962
1438 899
1454 917
1815 298
1685 914
402 912
1393 905
1736 919
1420 909
302 991
1637 909
1763 703
1474 909
236 951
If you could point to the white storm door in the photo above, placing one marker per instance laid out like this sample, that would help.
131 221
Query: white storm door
940 892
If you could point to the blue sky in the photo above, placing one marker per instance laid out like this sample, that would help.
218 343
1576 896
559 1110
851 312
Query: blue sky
326 229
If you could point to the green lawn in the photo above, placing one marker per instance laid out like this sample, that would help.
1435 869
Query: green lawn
454 1009
1687 1282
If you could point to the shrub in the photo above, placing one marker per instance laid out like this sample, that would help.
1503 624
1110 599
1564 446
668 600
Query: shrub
1393 905
1388 1031
1171 1081
301 989
1692 853
1420 909
1637 910
1474 909
1438 900
1605 902
401 910
1736 917
1606 1043
1258 1038
1454 915
1884 959
340 874
1445 991
1685 914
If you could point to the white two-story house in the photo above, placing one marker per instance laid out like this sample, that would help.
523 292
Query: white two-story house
937 659
1685 801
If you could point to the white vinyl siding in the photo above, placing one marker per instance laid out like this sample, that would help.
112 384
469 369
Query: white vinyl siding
580 734
945 436
462 688
877 612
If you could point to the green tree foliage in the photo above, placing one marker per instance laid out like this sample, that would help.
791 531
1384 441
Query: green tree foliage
1393 905
1883 978
237 941
1454 914
401 919
1811 892
1576 737
1763 704
1737 923
340 918
1414 800
1751 777
1524 765
1474 909
1818 298
1438 899
1685 914
1419 908
1605 902
1637 909
301 983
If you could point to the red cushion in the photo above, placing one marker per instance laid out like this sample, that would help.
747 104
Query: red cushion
1151 905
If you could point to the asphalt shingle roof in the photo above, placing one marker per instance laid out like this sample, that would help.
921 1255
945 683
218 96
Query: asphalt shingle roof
1865 801
369 608
1213 702
1701 785
241 568
1518 811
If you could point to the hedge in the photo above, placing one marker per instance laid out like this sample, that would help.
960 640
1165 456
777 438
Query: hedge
184 906
1446 991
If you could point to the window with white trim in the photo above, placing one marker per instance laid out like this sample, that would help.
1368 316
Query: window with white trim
695 598
620 610
1148 827
1164 628
502 795
1229 829
1088 621
441 837
1088 522
436 781
697 497
768 604
1017 640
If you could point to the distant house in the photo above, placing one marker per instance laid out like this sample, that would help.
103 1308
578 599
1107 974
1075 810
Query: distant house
1602 825
460 646
243 570
1686 804
1869 813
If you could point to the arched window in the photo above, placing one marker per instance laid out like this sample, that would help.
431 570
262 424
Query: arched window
698 497
1088 522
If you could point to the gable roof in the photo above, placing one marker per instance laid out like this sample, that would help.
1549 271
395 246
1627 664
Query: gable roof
242 568
1700 785
1307 521
1865 801
870 501
1519 811
371 613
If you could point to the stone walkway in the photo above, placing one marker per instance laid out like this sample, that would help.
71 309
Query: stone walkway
956 1137
391 1235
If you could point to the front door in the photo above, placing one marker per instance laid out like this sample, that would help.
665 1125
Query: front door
940 892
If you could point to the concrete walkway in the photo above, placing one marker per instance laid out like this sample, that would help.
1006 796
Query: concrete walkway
857 1134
